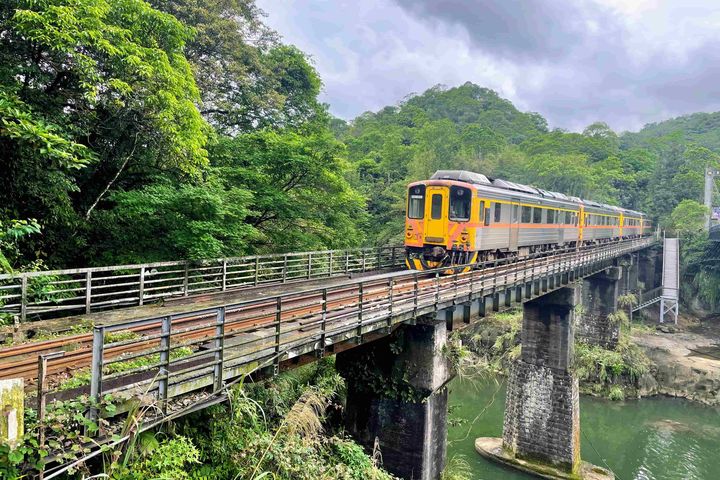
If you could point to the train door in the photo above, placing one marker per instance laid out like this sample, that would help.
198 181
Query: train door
581 224
514 225
436 207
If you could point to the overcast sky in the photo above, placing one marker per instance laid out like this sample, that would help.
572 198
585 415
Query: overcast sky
626 62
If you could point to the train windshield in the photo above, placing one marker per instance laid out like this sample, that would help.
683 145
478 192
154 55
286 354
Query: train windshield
416 201
460 204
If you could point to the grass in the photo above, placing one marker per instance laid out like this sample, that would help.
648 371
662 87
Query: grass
82 377
607 371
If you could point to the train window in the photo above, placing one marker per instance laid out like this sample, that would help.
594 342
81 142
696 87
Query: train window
460 204
481 212
498 212
537 215
526 214
436 207
487 214
515 211
416 202
551 216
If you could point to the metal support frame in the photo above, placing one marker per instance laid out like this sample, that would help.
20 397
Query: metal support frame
219 349
710 175
278 323
164 374
96 370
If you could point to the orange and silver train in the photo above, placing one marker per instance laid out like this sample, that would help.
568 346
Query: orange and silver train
461 218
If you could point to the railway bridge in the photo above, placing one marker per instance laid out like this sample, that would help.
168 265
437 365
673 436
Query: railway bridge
223 321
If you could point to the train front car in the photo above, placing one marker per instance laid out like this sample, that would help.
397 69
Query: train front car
442 215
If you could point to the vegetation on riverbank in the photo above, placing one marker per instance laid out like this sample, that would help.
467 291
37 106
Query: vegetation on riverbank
611 373
285 428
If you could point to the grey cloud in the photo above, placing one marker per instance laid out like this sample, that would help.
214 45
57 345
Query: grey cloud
590 70
527 30
574 61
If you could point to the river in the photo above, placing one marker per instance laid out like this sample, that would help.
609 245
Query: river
649 439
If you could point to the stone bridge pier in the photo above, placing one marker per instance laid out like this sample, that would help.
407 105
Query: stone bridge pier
541 428
397 397
596 325
542 411
650 268
630 271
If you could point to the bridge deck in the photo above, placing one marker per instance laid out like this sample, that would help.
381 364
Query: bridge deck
223 343
21 360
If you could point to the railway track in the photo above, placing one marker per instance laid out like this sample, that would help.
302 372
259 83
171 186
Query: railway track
305 306
21 361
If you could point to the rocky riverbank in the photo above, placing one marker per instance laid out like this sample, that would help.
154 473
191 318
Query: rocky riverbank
685 361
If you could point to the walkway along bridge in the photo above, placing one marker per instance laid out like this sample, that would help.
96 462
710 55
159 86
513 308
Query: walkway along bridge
195 351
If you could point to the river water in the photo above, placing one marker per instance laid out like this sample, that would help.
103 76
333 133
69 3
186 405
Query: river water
653 438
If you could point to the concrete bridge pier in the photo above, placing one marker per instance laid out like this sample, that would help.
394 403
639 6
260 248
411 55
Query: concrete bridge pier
396 394
650 268
599 300
541 429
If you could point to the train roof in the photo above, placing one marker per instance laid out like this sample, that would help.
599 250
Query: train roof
461 176
473 178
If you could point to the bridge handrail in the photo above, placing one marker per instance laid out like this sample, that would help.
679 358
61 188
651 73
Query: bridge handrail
55 293
368 303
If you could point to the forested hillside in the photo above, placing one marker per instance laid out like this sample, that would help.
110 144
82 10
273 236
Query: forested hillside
129 134
472 128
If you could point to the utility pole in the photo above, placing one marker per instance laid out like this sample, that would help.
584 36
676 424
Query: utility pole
710 175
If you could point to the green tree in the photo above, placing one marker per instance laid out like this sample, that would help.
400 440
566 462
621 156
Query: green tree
300 198
687 218
95 95
10 232
167 222
247 78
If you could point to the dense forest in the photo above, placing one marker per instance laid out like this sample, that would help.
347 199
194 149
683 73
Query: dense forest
129 133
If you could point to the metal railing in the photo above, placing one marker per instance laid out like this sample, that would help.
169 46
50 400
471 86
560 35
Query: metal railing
204 348
51 294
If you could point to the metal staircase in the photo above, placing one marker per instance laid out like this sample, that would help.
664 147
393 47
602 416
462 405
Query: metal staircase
669 299
668 295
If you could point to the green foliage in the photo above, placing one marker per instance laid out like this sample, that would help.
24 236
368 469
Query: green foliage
616 393
167 460
457 354
619 318
249 80
205 220
68 430
609 370
290 175
10 232
457 468
278 430
627 300
94 94
496 341
687 218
